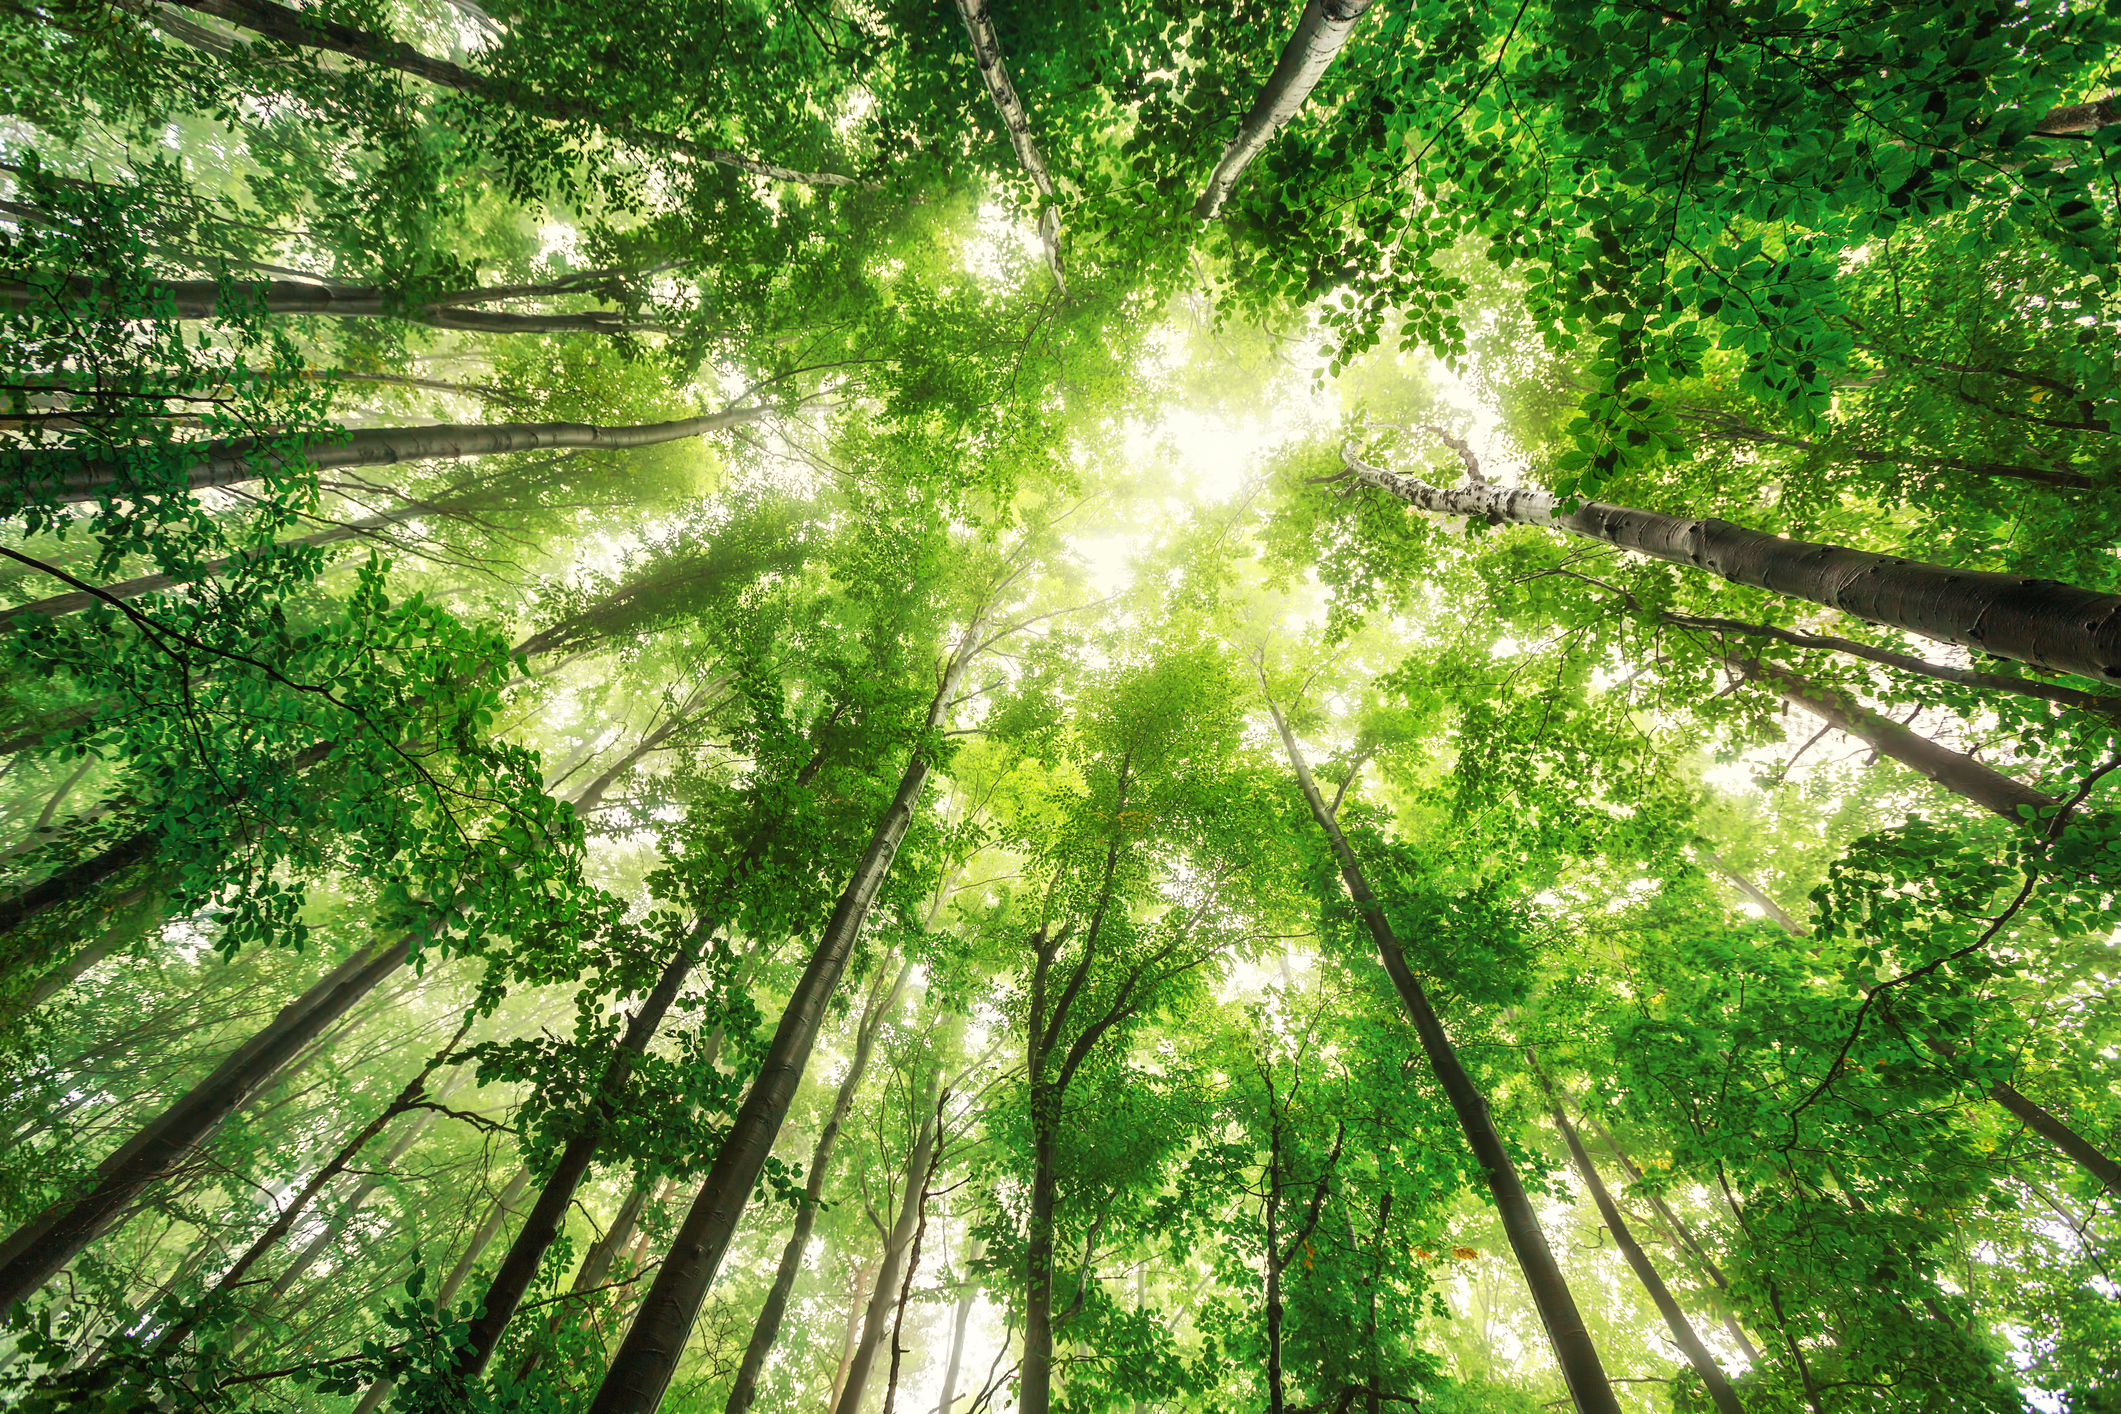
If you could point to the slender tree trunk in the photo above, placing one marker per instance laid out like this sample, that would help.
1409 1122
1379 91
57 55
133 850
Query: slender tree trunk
857 1303
75 477
1954 770
305 30
1573 1349
2108 707
202 299
2049 625
895 1242
327 1239
481 1237
124 918
1277 1397
520 1267
1683 1335
767 1329
1752 891
410 1097
913 1265
987 55
41 1247
1320 33
641 1371
74 601
957 1332
1035 1376
2081 117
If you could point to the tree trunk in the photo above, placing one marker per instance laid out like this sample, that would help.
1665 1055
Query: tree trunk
1573 1349
957 1333
1035 1375
641 1371
857 1303
2081 117
2069 1141
308 31
2108 707
520 1267
201 299
1753 892
409 1098
767 1329
481 1237
1321 32
2049 625
895 1244
76 478
324 1241
123 919
74 601
913 1265
987 55
41 1247
1712 1378
1954 770
1733 430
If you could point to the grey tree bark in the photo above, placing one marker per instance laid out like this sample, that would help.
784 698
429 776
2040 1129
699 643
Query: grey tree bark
987 55
1320 33
641 1370
767 1328
885 1295
37 1250
2049 625
74 477
1581 1369
201 299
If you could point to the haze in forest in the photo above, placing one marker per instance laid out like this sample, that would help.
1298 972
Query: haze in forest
953 706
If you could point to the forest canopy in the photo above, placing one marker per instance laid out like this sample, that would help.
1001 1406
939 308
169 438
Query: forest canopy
974 706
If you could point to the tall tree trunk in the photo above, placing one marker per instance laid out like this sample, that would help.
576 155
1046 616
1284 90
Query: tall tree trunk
768 1326
957 1331
520 1267
202 299
1320 33
641 1371
2081 117
482 1236
857 1303
1574 1351
410 1097
913 1266
987 55
1683 1335
38 1249
2049 625
124 917
1035 1375
324 1241
75 477
306 30
1681 1234
1753 892
1954 770
895 1243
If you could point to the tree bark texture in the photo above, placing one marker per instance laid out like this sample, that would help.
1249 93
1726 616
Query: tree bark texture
202 299
41 1247
2068 1140
767 1328
1320 33
2036 621
1574 1351
957 1334
481 1237
2081 117
641 1371
885 1295
307 31
75 477
520 1267
1954 770
987 55
1683 1334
